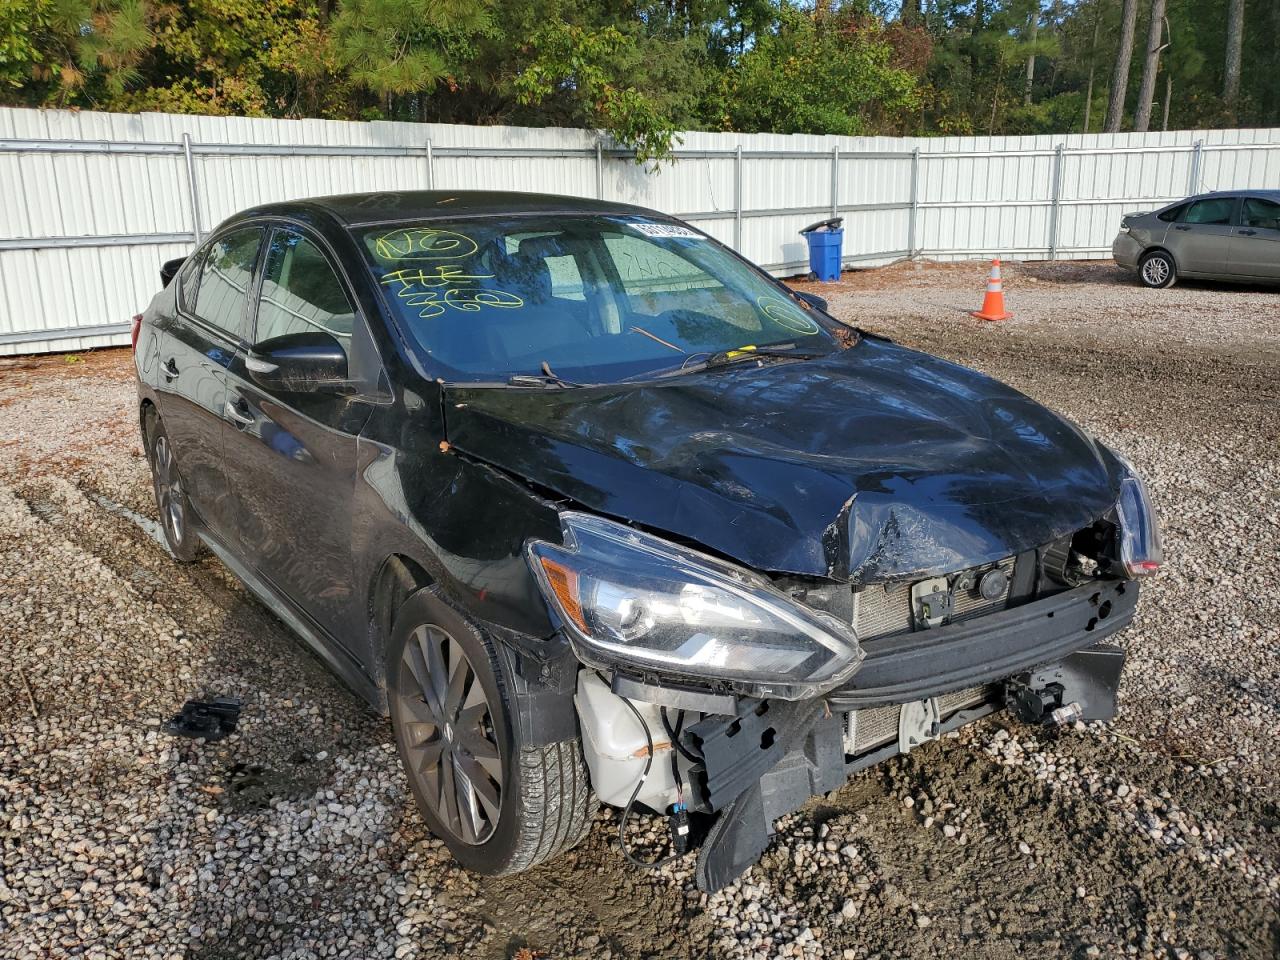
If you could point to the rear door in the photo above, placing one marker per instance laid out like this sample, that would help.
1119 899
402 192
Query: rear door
198 344
1200 238
291 457
1255 243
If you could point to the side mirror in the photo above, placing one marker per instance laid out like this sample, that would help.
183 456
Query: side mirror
299 363
813 300
169 269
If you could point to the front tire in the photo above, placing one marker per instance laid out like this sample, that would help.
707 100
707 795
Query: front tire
1157 270
176 517
499 805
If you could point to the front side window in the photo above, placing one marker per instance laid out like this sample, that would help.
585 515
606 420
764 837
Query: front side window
189 281
1215 211
1263 214
226 281
597 299
300 291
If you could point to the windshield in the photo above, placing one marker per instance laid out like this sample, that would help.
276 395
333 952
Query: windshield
595 299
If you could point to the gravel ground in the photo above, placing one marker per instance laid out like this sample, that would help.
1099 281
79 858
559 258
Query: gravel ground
1155 836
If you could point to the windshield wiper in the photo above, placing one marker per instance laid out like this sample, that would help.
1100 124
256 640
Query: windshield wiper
723 358
547 378
788 350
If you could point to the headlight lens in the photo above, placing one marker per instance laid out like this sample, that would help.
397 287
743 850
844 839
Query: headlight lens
1141 552
628 599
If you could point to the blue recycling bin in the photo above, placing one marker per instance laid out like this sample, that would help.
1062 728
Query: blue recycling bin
826 243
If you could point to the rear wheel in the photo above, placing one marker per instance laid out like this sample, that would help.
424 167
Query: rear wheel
499 805
1157 270
176 518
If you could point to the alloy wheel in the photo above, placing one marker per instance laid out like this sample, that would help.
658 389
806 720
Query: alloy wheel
450 736
169 493
1155 271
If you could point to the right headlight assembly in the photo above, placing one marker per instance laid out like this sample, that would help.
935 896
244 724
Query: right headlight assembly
1141 551
631 600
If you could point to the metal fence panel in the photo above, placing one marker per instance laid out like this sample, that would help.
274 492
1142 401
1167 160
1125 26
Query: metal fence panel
92 203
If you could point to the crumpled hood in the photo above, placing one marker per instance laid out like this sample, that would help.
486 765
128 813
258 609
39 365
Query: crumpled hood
874 463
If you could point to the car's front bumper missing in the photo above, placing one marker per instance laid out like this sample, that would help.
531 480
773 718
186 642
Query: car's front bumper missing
771 757
930 663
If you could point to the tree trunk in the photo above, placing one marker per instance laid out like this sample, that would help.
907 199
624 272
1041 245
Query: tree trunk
1147 92
1235 40
979 24
1120 76
1031 57
995 97
1168 99
1093 59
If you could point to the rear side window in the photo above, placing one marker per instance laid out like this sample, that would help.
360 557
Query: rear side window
1172 214
1264 214
301 292
226 280
1215 211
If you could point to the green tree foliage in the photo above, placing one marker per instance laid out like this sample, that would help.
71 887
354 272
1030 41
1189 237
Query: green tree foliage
401 47
823 73
641 69
62 51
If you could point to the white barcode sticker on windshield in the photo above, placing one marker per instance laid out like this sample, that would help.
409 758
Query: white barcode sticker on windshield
665 230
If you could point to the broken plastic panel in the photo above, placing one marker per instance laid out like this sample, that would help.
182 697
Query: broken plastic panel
205 719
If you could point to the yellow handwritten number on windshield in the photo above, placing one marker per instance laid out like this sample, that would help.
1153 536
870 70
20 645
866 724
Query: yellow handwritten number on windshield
421 290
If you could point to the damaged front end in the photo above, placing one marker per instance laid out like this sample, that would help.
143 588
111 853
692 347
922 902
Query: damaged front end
713 690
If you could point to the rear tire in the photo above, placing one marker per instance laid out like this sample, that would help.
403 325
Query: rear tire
499 805
176 517
1157 270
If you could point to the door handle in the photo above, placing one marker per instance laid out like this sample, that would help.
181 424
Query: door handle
170 368
238 411
1181 227
1247 233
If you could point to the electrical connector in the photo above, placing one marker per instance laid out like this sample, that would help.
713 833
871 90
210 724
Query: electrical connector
678 824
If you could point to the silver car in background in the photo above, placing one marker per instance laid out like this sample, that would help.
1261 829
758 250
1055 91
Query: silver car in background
1231 235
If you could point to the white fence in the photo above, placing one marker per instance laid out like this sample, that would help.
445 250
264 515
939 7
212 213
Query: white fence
92 203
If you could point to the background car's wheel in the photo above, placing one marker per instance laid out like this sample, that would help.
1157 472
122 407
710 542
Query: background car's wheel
176 518
1157 269
499 805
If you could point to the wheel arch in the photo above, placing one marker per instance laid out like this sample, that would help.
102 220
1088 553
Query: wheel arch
542 672
146 408
398 577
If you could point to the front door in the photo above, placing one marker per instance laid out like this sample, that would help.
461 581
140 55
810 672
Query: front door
291 457
1199 240
1255 243
197 346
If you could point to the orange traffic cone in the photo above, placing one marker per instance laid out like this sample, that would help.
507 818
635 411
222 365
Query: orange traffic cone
993 302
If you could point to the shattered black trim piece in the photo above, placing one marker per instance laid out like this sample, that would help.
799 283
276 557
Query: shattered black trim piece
814 762
744 829
738 751
208 720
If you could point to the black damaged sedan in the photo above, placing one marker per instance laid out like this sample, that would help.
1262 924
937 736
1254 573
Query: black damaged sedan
588 504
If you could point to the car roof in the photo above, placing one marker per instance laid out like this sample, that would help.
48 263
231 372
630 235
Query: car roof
1268 193
357 209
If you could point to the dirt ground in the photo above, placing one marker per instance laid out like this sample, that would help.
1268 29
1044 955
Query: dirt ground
1157 835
